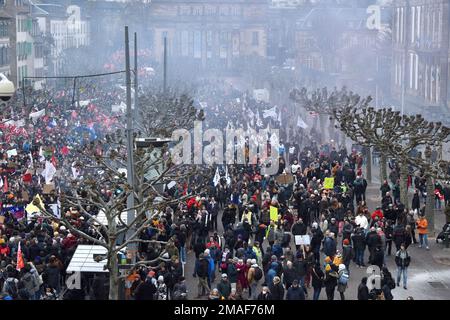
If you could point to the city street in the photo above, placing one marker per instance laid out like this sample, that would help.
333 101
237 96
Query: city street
428 274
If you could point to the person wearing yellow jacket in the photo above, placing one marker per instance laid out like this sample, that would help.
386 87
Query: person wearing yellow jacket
422 227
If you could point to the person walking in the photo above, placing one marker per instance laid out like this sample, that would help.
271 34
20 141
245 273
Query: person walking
363 290
277 289
402 260
342 280
317 280
295 292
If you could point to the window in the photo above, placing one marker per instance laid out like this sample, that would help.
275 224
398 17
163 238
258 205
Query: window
184 43
255 38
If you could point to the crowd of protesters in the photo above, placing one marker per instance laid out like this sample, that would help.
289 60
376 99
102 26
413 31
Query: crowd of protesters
244 230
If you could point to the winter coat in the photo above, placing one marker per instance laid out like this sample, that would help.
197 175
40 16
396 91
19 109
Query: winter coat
402 262
203 267
329 246
232 273
317 278
295 293
145 291
422 226
363 292
224 288
277 291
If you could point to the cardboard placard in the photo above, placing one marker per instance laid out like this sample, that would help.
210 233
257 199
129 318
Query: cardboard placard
25 196
302 240
48 188
285 179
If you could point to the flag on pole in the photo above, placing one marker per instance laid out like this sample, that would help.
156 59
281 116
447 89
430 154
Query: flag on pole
227 177
216 177
20 262
32 161
301 123
48 172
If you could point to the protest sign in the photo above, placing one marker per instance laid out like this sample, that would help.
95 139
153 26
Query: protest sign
328 183
302 240
274 213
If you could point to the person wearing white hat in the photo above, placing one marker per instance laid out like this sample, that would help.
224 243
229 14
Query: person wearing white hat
253 277
342 280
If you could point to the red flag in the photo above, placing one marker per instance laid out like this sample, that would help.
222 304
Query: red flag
5 185
65 150
54 162
27 177
20 262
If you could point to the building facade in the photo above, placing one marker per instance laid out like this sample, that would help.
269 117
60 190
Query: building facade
421 56
208 32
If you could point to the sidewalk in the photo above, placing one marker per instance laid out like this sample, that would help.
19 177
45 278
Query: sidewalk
438 252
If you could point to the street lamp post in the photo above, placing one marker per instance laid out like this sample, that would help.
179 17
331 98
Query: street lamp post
130 136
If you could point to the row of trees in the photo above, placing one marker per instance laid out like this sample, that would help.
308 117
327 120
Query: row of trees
392 134
103 186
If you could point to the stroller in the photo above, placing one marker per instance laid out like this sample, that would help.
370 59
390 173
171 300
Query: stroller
441 236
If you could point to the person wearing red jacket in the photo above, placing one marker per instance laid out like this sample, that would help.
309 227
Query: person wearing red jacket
377 213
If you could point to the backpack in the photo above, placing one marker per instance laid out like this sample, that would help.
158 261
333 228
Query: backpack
343 279
258 273
11 288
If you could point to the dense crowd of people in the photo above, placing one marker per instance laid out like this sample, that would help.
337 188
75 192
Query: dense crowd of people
253 236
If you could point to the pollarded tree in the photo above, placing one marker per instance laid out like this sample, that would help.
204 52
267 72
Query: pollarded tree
371 128
102 185
323 103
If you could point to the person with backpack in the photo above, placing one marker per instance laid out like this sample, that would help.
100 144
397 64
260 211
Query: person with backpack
30 282
402 260
253 272
10 286
202 273
342 280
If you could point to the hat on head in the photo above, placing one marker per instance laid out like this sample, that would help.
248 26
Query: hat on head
346 242
224 275
151 273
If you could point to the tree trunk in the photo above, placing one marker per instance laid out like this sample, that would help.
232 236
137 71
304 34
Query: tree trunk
429 207
383 168
404 185
342 140
113 278
369 165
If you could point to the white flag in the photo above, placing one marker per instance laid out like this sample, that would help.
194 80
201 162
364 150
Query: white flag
36 115
48 172
32 161
227 177
41 154
301 123
272 113
216 177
